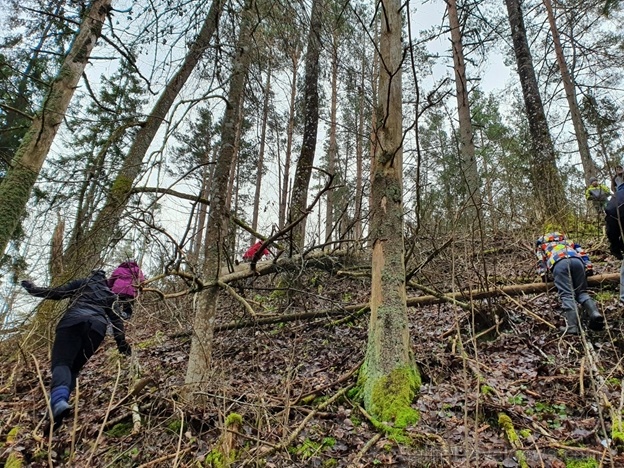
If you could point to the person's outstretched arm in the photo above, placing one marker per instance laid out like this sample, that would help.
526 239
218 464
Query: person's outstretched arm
55 294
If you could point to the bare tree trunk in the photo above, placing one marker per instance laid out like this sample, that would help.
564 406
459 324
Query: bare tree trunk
289 140
389 377
303 172
468 162
333 140
265 118
197 372
359 155
373 133
589 166
84 255
33 150
547 184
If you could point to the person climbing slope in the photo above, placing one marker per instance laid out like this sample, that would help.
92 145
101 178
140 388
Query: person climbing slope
79 333
569 265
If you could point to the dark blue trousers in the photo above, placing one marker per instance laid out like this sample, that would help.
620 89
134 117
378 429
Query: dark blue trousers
73 346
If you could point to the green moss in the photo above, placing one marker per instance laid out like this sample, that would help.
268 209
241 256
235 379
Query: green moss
120 430
310 448
13 461
525 433
12 435
175 426
330 463
617 431
506 424
121 188
581 463
391 397
233 419
215 459
486 389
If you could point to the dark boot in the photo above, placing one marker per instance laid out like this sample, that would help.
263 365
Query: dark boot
571 319
59 397
596 320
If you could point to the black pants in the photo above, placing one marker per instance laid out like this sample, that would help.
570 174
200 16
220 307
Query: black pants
73 346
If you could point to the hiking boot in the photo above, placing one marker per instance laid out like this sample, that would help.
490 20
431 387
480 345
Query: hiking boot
59 411
596 320
571 319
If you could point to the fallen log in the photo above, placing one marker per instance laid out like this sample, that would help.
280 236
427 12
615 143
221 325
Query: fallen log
513 290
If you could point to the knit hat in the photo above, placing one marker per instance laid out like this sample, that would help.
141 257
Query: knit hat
592 180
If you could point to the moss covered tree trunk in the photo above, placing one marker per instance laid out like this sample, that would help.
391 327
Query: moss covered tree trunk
198 369
33 150
389 377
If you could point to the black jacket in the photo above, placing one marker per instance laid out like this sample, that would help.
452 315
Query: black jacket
615 223
90 299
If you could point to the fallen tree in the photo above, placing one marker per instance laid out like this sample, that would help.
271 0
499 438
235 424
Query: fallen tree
359 309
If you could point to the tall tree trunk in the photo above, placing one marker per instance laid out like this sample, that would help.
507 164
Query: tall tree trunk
468 161
303 172
33 150
589 166
197 372
82 256
265 118
373 133
289 139
547 184
333 140
359 155
389 377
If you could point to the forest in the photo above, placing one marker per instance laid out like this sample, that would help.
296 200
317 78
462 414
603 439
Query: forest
336 207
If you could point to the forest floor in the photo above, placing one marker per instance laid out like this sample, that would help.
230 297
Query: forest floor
559 392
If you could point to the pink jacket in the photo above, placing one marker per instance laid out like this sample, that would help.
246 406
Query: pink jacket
125 278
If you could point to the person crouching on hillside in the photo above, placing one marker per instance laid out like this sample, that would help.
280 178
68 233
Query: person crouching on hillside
124 281
251 251
569 265
79 333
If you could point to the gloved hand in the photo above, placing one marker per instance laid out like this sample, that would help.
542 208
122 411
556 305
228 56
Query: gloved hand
589 272
27 284
124 348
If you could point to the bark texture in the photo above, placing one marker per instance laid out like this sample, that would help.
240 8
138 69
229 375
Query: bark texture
589 166
547 184
33 150
303 172
389 377
468 161
332 152
198 370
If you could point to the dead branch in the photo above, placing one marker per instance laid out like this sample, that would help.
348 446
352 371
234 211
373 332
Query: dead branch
293 435
343 378
429 258
238 298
